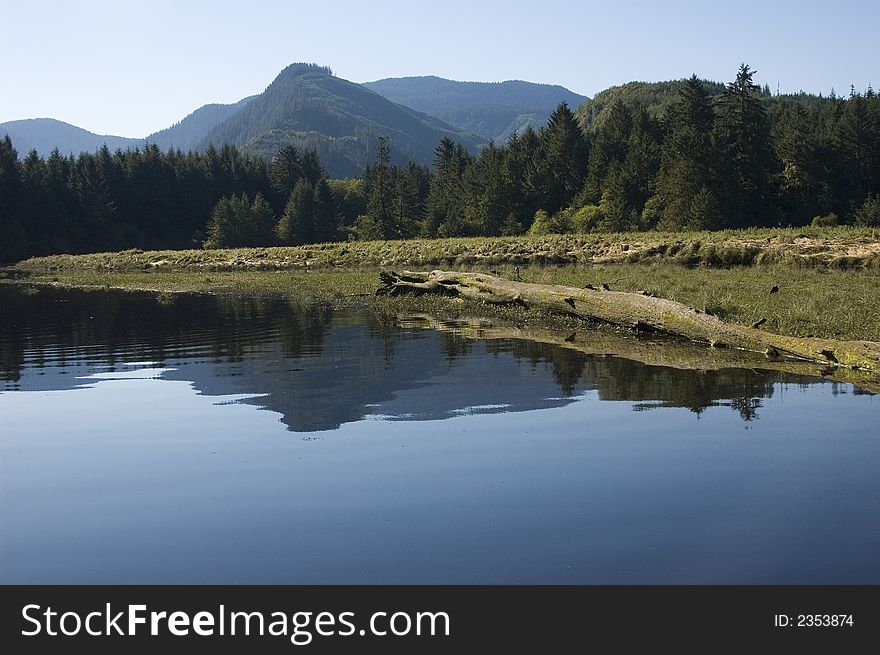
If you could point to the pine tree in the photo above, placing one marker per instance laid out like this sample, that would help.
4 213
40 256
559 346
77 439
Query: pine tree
704 212
642 158
379 221
406 200
747 158
797 148
446 187
495 205
262 223
619 215
326 213
285 172
688 155
563 158
13 238
297 223
222 228
857 136
607 152
519 165
312 169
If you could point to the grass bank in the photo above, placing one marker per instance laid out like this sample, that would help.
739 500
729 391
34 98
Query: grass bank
842 248
827 279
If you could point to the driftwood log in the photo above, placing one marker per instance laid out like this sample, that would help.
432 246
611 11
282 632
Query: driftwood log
636 311
647 349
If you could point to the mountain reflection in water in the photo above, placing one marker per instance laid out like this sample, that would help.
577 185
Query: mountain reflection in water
320 368
150 439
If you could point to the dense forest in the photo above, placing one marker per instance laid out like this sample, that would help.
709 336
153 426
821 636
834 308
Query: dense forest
707 160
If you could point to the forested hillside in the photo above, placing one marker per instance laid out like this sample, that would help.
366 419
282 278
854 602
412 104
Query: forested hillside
704 160
493 110
308 107
191 131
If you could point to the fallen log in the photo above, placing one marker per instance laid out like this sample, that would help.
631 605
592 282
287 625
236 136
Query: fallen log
634 311
669 353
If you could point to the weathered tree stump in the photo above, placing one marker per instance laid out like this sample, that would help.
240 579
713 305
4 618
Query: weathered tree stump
634 311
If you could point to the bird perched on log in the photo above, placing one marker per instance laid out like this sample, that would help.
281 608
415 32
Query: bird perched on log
774 288
829 355
605 287
589 286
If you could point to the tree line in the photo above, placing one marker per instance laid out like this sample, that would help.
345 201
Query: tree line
730 160
708 162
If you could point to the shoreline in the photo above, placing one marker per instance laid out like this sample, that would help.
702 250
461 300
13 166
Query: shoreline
809 282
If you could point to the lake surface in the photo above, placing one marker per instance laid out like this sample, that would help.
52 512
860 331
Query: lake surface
197 439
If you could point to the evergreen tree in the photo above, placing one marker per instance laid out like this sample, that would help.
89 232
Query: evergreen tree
747 160
406 203
96 204
798 150
607 152
704 212
445 205
13 239
379 221
312 169
857 136
285 172
297 223
642 158
261 221
326 213
222 226
619 215
521 152
562 159
496 202
688 156
444 187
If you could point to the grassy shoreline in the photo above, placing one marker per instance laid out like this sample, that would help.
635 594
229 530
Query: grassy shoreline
827 278
840 248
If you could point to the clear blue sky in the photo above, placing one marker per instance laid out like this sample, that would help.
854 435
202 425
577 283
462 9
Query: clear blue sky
130 68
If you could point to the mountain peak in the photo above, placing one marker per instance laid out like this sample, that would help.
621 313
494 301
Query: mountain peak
299 68
307 106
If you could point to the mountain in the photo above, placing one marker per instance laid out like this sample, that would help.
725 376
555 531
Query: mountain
656 97
308 106
189 132
493 110
46 134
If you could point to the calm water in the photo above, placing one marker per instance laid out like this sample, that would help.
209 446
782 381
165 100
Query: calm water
205 440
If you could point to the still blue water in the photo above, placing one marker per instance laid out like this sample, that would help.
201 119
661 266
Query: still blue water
217 440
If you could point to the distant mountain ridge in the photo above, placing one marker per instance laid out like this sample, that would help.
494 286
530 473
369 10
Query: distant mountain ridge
493 110
46 134
190 131
306 105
